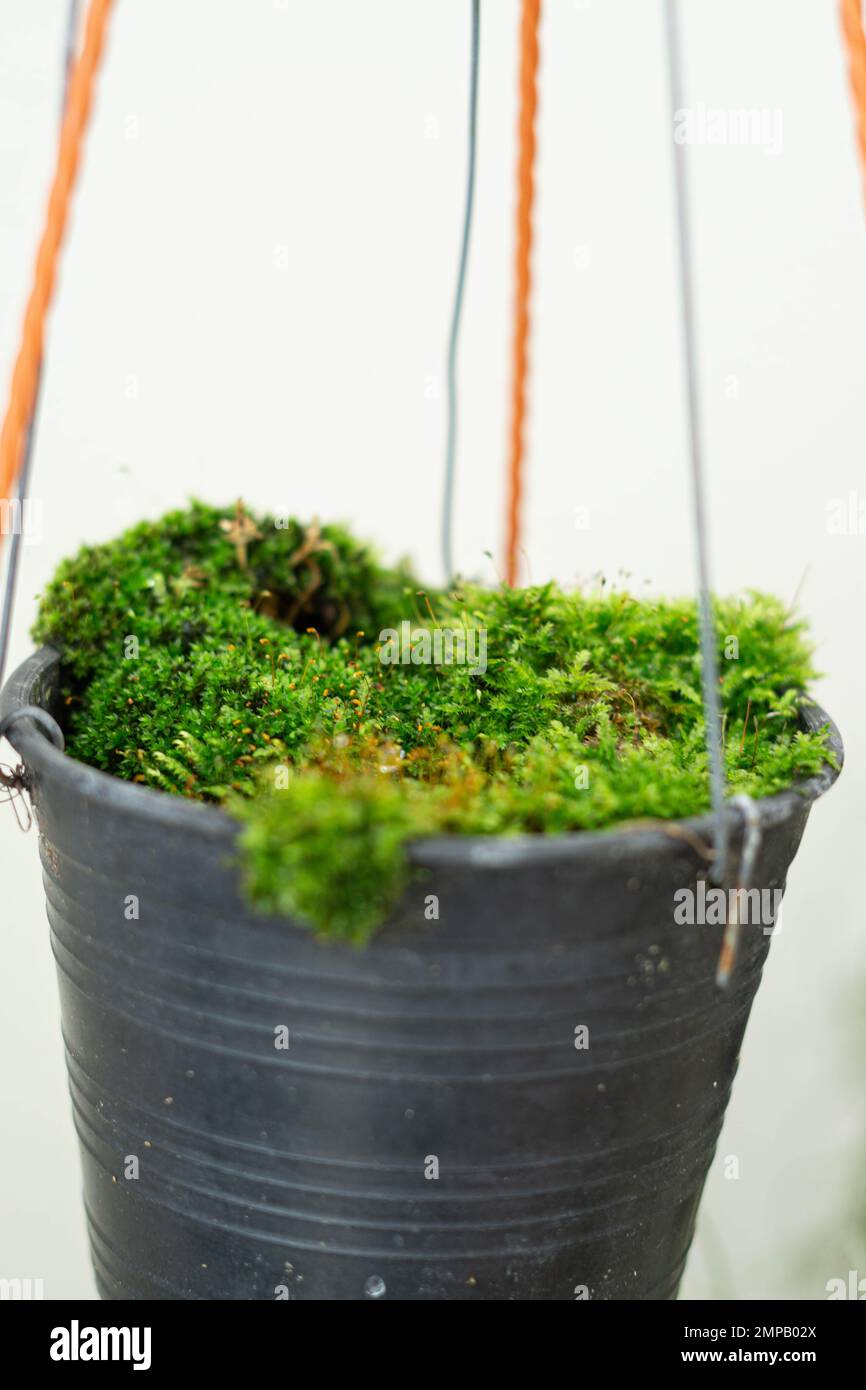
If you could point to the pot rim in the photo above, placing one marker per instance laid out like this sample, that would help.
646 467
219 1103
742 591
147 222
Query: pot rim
40 671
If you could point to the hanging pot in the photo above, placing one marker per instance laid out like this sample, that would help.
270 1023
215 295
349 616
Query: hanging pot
519 1100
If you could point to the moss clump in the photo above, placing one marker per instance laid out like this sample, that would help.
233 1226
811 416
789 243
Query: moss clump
179 581
251 672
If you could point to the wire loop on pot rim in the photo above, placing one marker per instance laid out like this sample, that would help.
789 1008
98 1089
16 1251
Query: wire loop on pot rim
46 722
752 834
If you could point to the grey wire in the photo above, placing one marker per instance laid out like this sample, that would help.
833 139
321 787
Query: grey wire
27 460
709 664
451 445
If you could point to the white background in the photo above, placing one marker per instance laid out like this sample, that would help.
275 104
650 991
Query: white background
254 298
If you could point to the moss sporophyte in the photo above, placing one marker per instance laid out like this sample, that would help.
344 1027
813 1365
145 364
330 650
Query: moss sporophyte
339 710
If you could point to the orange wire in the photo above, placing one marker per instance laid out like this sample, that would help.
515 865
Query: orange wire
25 377
529 24
851 16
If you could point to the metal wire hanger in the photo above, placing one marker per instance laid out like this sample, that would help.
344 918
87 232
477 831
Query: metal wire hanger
457 313
709 662
12 566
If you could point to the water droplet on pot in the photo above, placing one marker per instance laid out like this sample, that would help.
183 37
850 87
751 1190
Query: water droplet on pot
374 1287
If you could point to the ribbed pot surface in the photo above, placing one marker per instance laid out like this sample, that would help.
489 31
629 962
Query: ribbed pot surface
262 1116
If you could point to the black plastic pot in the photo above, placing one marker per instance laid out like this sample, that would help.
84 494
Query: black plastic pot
444 1047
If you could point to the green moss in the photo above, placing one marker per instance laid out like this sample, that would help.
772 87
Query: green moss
256 680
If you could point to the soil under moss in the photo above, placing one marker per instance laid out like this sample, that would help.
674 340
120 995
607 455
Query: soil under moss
279 669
